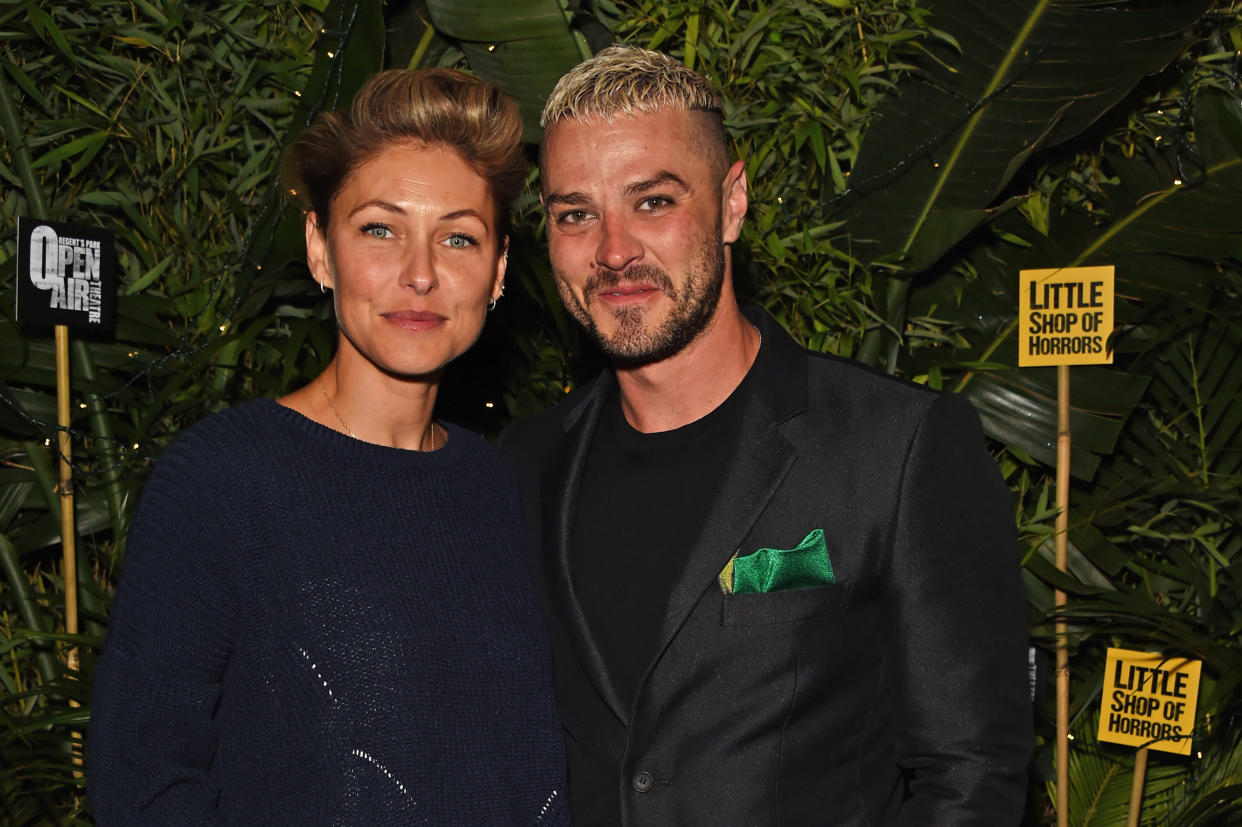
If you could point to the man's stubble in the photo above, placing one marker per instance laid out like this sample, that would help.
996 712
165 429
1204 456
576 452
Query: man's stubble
634 343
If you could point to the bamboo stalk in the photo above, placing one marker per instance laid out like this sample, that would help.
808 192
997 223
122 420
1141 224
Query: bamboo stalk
101 428
1136 787
68 534
1062 632
28 608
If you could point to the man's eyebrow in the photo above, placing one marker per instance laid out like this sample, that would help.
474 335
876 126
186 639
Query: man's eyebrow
578 199
660 180
572 199
386 206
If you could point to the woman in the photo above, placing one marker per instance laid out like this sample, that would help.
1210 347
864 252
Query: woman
324 615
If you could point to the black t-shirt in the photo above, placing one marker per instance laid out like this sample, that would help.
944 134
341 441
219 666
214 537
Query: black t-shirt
641 504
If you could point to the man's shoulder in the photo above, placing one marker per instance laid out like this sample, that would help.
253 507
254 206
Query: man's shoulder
534 435
844 393
831 379
848 375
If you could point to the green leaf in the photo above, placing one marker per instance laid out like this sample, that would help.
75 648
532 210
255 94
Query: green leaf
86 145
1158 211
1027 75
522 46
150 276
498 21
526 70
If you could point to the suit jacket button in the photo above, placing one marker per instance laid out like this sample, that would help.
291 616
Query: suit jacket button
642 781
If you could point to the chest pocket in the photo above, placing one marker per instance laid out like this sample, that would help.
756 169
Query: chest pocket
792 606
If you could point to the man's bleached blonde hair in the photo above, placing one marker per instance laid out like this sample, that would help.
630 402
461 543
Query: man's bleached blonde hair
628 80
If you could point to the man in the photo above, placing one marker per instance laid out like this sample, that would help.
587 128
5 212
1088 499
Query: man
781 589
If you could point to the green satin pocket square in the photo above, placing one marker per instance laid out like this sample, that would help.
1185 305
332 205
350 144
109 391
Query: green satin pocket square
780 569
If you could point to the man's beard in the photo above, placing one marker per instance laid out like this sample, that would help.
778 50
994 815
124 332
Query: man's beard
633 343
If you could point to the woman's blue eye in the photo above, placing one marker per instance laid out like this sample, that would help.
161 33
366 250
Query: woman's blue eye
377 231
461 241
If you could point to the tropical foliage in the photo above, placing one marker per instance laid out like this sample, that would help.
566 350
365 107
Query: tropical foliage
163 123
906 159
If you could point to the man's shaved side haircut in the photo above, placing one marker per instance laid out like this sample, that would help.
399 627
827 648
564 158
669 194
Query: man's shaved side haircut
628 80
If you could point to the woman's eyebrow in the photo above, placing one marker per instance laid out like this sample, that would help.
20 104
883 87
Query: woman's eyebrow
386 206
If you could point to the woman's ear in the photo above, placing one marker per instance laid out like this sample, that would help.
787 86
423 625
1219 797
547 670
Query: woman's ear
502 264
317 252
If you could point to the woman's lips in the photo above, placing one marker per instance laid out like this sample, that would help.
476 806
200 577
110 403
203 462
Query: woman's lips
415 319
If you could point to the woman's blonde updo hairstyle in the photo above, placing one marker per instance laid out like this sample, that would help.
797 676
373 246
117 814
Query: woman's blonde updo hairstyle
437 107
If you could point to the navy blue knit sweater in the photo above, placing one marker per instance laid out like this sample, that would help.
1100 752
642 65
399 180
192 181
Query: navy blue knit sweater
311 629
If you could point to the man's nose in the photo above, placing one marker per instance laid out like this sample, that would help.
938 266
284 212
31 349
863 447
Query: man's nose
618 247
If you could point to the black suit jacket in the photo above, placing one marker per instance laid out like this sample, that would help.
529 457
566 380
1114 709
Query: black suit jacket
896 695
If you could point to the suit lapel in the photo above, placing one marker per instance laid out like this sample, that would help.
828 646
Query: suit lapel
762 458
759 465
561 485
761 461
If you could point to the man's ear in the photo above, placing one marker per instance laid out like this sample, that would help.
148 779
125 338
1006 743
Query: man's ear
317 252
733 202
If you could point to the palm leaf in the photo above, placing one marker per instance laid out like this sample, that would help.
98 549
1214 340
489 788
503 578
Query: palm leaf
1153 230
1101 775
1159 211
1027 75
523 46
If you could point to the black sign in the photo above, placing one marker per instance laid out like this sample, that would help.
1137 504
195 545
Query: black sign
65 274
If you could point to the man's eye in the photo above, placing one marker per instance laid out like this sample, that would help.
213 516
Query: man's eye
461 241
655 202
377 230
572 217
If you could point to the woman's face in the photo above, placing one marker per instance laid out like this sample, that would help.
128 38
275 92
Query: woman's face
413 256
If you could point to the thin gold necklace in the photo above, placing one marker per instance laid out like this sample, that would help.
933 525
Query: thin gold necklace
431 426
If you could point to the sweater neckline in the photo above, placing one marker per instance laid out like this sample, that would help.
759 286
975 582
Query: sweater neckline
352 449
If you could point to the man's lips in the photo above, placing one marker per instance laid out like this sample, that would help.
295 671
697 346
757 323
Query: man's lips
415 319
626 292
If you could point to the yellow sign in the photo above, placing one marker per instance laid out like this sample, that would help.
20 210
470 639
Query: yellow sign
1065 316
1149 700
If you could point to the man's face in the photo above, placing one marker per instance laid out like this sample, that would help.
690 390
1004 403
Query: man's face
638 216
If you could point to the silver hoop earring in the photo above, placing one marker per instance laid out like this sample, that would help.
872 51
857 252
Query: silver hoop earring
492 304
322 289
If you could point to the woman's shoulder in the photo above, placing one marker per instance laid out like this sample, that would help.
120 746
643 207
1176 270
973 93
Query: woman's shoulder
220 443
465 446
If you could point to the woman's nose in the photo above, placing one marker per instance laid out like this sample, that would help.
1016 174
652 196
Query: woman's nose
419 271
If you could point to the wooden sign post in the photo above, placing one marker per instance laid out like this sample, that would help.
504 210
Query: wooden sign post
1064 318
1148 702
65 277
